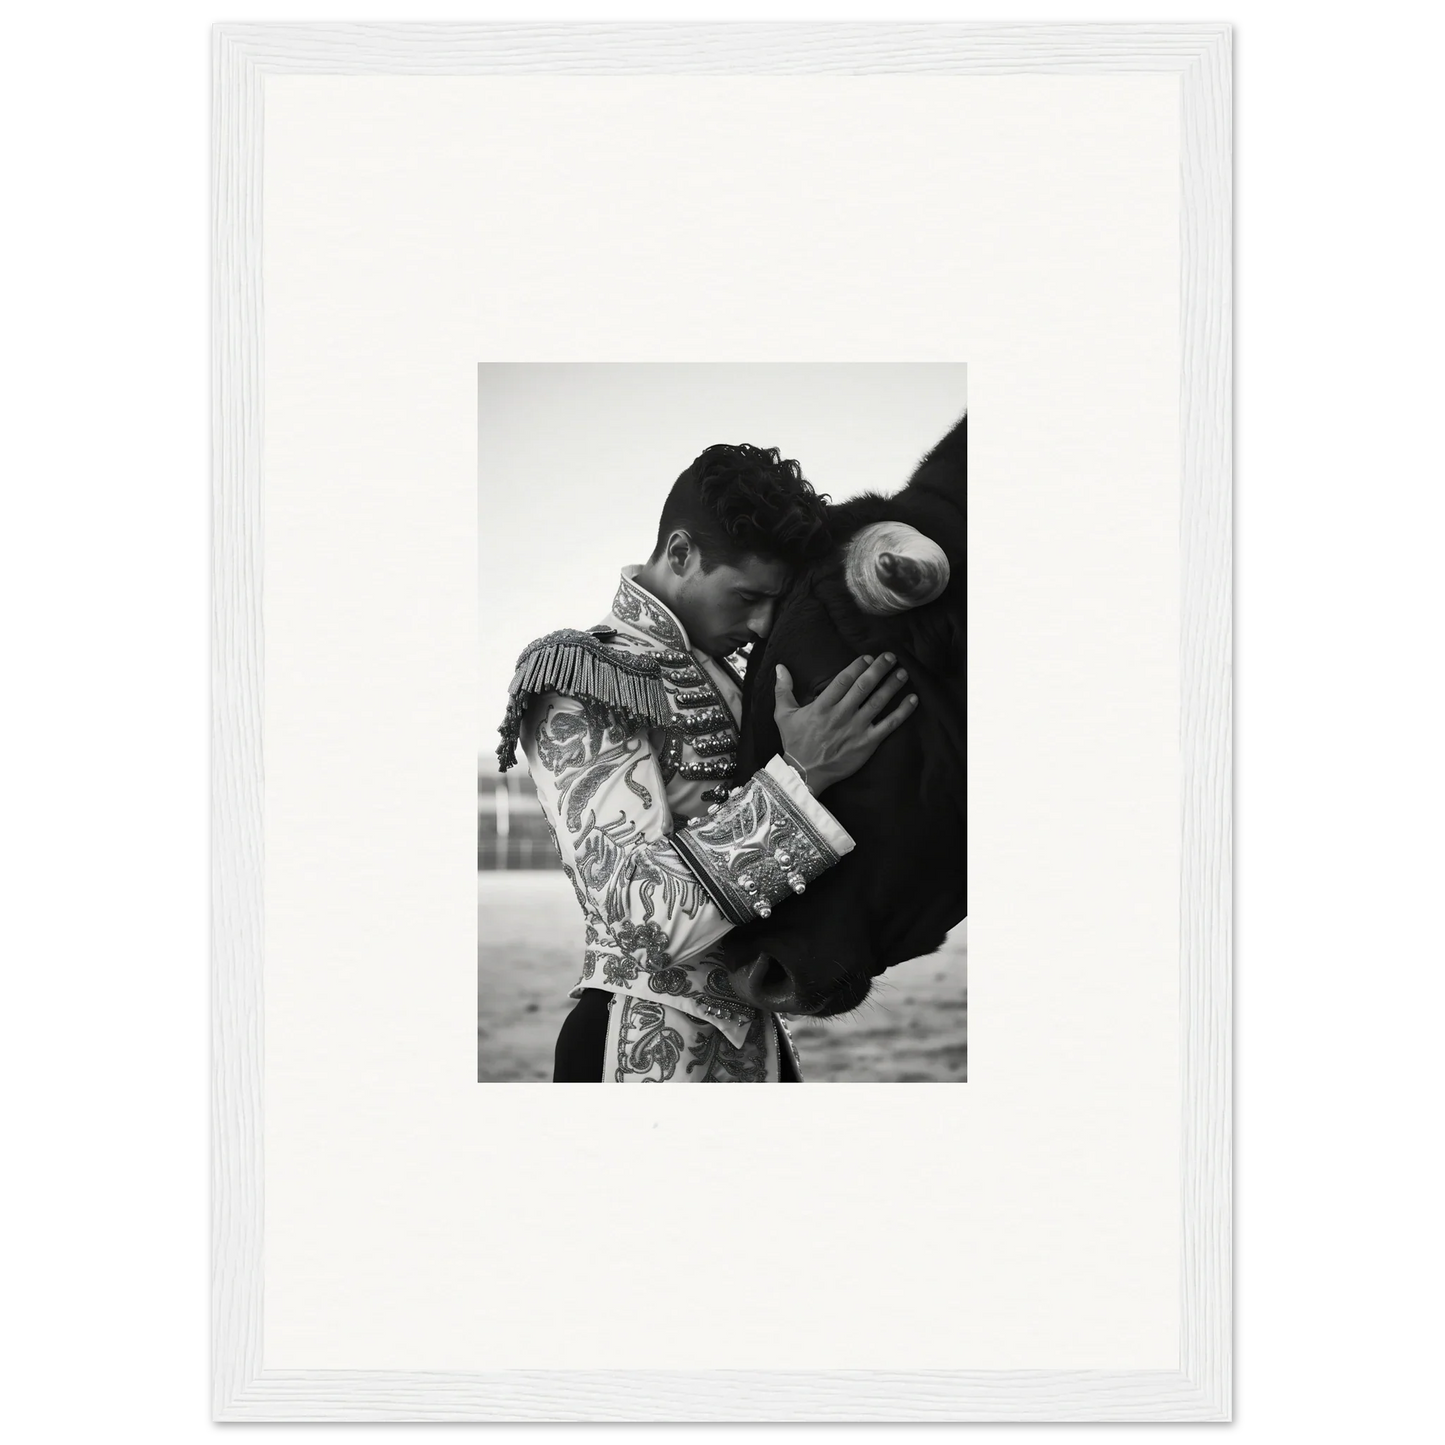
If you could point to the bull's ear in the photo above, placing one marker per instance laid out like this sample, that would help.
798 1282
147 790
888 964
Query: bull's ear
892 567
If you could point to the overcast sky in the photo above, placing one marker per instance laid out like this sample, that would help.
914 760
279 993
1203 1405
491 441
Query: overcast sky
574 462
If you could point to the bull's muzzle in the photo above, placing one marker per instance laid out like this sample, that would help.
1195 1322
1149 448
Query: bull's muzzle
765 983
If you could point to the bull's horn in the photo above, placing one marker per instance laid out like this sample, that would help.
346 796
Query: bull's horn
891 567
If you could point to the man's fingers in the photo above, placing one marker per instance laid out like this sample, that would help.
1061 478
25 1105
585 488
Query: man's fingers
838 688
784 701
895 719
887 689
869 679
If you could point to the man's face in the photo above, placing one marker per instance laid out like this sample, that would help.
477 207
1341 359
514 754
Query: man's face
730 606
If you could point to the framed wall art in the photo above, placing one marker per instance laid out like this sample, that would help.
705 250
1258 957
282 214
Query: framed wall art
722 575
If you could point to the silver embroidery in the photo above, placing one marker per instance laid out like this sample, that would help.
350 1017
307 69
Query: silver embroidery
637 605
642 792
648 1049
637 890
756 850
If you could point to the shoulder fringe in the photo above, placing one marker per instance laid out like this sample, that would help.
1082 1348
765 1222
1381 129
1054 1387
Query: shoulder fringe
578 665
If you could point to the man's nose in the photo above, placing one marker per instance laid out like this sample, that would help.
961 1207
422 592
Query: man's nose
761 621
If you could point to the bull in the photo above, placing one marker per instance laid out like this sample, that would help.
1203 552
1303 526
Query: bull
895 581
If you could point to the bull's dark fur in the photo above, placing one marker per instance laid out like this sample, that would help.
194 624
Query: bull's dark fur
904 885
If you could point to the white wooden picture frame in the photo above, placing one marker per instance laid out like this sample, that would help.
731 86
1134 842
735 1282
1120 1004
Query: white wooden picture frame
325 499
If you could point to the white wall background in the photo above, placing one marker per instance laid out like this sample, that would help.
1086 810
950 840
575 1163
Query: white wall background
574 462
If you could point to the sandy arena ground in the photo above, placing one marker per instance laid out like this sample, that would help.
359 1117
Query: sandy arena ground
912 1029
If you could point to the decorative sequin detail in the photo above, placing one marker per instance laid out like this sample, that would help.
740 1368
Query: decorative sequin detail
643 899
736 851
708 721
670 758
716 1061
714 743
627 687
647 1039
648 1049
787 1047
637 605
691 697
723 767
635 787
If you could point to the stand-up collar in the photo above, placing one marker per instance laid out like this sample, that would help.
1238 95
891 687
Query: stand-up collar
645 615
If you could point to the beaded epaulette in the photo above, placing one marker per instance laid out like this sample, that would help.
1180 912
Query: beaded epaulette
578 665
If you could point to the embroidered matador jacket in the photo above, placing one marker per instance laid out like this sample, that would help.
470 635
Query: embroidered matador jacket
631 737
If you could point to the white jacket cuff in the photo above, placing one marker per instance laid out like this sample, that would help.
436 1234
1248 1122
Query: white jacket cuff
785 775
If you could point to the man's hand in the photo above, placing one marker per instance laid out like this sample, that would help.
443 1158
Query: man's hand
835 734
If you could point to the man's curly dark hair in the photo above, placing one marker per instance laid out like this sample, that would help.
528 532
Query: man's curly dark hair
739 501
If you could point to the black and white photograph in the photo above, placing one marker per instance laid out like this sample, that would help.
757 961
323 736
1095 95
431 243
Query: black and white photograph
722 769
